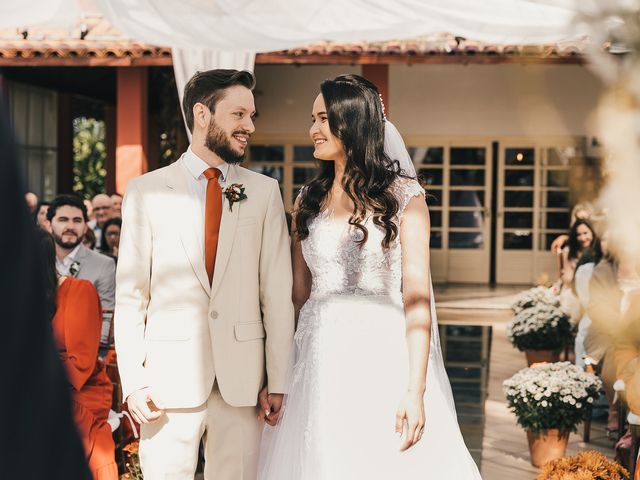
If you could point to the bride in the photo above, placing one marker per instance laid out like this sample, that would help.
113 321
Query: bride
368 396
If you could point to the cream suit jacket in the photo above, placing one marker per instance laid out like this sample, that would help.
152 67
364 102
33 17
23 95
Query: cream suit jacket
174 333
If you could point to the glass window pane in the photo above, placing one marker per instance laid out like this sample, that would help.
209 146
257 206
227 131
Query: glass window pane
465 240
546 239
35 135
20 109
467 177
555 220
303 153
518 220
466 219
518 241
436 240
436 218
519 156
466 198
266 153
432 176
557 178
50 121
426 155
518 199
34 171
273 172
303 175
434 197
518 178
467 156
50 174
555 199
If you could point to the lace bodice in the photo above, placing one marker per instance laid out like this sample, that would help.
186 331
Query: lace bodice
340 266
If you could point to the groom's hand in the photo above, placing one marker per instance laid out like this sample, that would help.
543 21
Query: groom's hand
141 406
270 405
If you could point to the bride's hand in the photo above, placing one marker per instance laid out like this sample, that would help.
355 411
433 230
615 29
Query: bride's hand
410 419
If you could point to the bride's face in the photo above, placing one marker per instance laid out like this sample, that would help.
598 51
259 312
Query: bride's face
327 146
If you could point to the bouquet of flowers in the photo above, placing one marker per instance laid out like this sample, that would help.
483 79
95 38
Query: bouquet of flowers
535 296
541 327
132 462
584 465
551 396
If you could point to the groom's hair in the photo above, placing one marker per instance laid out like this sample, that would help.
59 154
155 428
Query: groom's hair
209 88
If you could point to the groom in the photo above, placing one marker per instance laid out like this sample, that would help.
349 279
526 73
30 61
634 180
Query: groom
203 316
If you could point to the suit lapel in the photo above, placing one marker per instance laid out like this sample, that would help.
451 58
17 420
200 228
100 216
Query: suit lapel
186 213
228 225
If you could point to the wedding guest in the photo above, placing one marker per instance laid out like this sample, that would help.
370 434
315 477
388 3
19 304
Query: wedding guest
39 438
89 239
89 205
103 211
67 216
582 211
41 214
116 205
32 201
581 238
76 328
111 237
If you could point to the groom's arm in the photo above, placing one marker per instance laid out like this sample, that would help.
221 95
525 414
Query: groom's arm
275 292
132 291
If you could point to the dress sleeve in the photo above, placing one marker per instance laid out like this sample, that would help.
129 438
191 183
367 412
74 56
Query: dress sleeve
406 189
82 333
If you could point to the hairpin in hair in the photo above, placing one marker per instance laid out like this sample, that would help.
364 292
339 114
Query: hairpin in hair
384 115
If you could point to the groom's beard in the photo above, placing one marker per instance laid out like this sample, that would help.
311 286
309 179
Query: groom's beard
220 144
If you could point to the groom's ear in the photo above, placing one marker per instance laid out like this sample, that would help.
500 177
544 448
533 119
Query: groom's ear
201 115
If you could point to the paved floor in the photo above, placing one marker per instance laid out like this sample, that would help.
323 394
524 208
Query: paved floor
496 442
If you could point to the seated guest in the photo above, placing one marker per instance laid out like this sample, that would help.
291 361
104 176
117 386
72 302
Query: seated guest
102 211
89 205
111 237
116 205
67 217
89 239
76 329
32 201
41 214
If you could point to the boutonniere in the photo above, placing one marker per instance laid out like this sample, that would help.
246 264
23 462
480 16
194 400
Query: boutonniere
234 193
74 268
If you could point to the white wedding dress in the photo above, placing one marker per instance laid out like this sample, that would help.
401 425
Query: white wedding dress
351 370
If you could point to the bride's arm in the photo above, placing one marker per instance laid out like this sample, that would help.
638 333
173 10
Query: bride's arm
301 273
414 239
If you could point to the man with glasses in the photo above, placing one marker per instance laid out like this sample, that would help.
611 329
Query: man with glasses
103 211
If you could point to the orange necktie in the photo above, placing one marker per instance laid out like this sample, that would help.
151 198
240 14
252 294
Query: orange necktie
212 217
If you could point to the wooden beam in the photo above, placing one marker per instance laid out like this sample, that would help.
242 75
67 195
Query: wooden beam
311 59
131 125
65 144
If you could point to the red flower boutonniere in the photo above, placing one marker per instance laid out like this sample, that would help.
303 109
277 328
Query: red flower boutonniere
234 193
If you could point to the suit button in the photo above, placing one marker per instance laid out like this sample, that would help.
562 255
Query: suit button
214 315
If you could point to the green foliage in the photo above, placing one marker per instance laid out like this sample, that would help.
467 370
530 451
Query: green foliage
89 156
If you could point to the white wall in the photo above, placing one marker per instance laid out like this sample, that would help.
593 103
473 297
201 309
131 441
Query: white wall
493 99
285 94
445 99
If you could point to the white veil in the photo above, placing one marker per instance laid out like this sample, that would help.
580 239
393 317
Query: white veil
395 149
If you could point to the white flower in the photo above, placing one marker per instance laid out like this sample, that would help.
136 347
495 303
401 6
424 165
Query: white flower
590 400
544 403
578 405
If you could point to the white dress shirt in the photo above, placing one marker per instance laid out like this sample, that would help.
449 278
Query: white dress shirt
197 183
63 266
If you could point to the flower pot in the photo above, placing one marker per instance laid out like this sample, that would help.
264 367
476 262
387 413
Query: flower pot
541 356
546 446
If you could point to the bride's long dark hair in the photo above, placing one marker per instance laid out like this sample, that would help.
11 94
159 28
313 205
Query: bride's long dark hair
356 118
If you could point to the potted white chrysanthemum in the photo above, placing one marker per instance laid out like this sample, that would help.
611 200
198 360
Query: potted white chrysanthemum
534 296
541 331
549 401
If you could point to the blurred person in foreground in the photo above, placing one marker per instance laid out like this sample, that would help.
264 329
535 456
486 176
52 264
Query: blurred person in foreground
39 439
76 326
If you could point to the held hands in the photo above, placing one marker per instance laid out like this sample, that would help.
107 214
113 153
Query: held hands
270 405
142 408
410 419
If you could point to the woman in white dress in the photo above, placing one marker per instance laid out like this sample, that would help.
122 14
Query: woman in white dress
368 396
